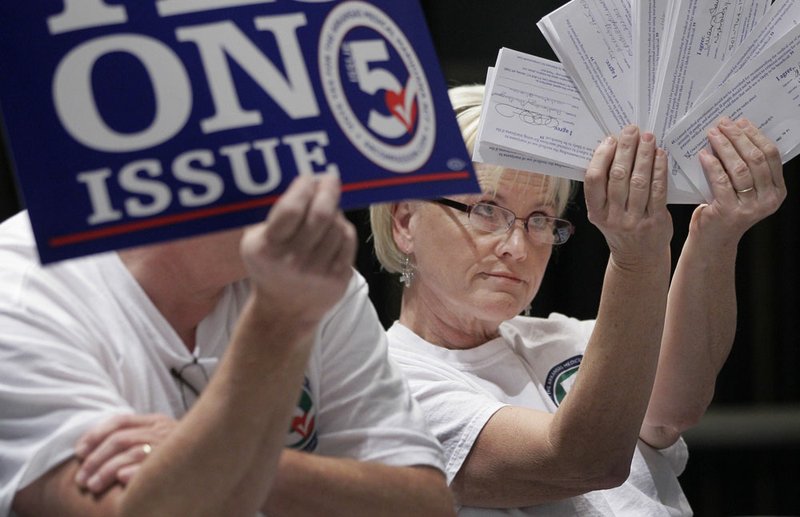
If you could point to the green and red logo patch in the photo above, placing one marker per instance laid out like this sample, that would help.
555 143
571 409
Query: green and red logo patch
302 429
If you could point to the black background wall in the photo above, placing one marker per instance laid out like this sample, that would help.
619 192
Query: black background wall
745 454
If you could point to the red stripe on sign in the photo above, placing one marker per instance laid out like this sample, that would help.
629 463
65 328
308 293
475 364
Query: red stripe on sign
405 180
156 222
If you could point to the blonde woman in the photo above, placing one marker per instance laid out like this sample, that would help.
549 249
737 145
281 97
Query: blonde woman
555 416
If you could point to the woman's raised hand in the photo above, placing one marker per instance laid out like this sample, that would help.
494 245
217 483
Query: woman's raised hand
626 194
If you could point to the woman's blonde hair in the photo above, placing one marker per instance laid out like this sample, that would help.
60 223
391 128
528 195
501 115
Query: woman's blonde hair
466 101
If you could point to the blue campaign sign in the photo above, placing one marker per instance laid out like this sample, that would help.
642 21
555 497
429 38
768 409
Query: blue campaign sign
133 121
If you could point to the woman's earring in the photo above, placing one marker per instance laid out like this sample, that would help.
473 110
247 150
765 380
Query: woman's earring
528 310
407 273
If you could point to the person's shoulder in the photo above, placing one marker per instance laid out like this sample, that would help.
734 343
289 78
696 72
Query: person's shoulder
357 283
406 347
538 329
18 254
16 236
419 360
400 336
354 311
19 220
554 319
18 248
26 282
356 294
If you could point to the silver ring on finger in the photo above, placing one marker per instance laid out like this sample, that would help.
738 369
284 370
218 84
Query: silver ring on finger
745 190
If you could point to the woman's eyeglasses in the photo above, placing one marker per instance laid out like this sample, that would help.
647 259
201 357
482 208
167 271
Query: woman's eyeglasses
497 219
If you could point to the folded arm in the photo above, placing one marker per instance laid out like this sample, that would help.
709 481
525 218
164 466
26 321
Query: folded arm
228 445
354 488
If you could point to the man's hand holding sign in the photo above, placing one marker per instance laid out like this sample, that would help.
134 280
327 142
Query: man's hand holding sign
208 148
175 117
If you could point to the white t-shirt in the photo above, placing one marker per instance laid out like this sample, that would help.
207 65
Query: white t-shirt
532 364
80 341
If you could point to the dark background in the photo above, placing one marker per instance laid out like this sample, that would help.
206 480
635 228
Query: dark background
745 453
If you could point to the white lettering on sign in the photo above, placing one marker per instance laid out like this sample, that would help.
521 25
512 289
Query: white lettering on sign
175 7
102 209
84 14
243 174
254 167
306 157
271 61
154 196
75 103
363 54
217 42
211 184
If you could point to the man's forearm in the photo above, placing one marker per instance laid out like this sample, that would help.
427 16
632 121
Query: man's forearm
230 441
313 485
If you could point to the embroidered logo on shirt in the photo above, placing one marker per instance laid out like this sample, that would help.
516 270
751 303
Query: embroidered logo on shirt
302 429
561 377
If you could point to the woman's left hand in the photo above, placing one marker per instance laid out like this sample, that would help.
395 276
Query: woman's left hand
113 451
745 177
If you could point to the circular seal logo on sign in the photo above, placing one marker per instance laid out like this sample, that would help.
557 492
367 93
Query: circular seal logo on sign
376 87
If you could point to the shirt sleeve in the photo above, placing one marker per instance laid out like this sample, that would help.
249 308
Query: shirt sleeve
366 410
50 393
677 455
455 408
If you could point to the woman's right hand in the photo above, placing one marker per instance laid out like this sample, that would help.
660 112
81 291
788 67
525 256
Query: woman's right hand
626 194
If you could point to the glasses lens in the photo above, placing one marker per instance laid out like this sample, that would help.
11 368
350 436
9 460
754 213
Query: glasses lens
548 229
490 218
561 231
540 224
